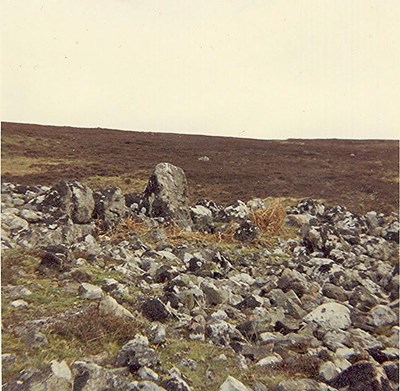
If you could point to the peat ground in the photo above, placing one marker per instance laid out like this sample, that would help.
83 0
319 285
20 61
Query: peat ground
363 175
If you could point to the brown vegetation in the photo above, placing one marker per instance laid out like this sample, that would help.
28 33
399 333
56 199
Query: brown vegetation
360 174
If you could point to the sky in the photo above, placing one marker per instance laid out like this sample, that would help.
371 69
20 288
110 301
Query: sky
267 69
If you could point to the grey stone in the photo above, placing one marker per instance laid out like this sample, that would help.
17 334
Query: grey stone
109 306
109 206
166 195
302 385
136 354
90 292
330 315
232 384
381 316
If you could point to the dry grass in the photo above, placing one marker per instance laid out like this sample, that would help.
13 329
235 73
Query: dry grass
92 327
271 220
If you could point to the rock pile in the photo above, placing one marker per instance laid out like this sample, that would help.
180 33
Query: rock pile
326 299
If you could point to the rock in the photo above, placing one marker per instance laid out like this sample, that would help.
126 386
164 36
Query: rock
232 384
55 258
212 294
381 316
36 339
202 217
328 371
239 210
10 220
363 376
334 292
73 199
247 231
392 371
109 306
155 310
270 360
109 206
293 280
90 292
55 376
330 315
144 386
19 304
136 354
147 374
93 377
175 382
302 385
8 359
166 195
30 216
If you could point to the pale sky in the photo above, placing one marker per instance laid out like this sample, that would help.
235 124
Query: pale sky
251 68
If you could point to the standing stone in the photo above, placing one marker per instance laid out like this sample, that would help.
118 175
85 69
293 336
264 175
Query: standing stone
166 195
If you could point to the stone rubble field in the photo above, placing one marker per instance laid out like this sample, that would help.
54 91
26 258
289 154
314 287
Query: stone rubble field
109 291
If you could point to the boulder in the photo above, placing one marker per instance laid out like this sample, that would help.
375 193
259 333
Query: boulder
363 376
330 315
71 198
166 195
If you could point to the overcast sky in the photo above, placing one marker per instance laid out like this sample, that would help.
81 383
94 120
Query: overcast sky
250 68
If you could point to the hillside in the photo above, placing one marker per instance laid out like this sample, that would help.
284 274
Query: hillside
363 175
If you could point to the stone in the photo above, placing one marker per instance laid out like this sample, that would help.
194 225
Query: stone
35 339
247 231
202 217
330 315
90 292
302 385
136 354
270 360
147 374
90 377
157 333
155 310
212 294
232 384
166 195
362 299
363 376
328 371
334 292
109 306
73 199
382 316
19 304
30 215
109 206
175 382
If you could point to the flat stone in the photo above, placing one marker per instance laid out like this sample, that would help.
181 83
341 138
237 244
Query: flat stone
330 315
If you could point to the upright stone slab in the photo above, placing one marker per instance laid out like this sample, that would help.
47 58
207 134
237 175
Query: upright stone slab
166 195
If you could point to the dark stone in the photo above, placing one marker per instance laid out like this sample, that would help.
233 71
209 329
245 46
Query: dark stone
249 302
247 232
392 371
363 376
154 309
